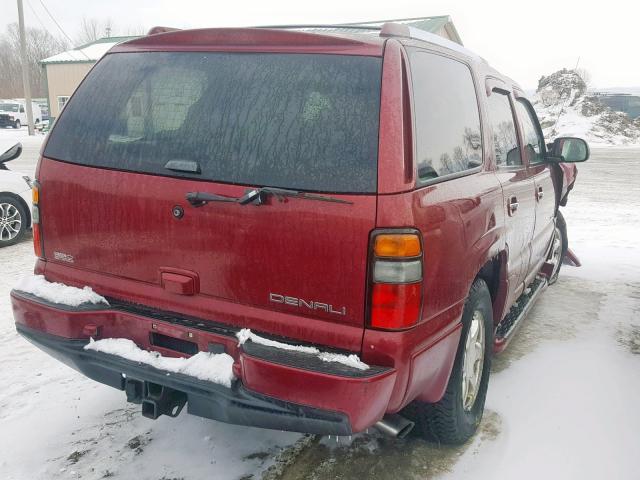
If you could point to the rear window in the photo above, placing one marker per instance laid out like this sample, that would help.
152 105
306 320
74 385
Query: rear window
308 122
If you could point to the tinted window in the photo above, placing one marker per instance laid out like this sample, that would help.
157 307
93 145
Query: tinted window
533 141
286 120
505 141
447 120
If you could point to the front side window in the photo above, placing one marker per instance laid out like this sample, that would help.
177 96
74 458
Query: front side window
9 107
533 147
300 121
448 138
505 140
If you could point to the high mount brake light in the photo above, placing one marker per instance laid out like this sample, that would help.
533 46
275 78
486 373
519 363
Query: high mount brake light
396 293
37 233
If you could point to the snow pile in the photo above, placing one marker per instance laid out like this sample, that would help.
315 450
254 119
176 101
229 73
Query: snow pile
349 360
58 292
565 108
216 368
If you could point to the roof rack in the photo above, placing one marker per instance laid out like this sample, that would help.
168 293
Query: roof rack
318 26
391 29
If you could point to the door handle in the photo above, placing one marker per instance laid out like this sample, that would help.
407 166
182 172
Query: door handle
539 193
513 205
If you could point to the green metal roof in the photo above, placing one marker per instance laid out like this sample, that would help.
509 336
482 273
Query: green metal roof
107 40
87 53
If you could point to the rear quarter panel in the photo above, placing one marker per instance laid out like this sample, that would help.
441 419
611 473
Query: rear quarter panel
462 223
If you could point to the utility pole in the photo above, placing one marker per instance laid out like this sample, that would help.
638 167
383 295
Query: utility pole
25 68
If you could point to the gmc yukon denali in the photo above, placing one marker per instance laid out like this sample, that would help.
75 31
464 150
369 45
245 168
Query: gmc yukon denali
308 230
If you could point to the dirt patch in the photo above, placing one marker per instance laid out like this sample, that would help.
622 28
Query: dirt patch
629 337
77 455
138 442
289 456
257 456
374 456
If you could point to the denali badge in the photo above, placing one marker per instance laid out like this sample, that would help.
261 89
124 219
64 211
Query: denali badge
63 257
310 304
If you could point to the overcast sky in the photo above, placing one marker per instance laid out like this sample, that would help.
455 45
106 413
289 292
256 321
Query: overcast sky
521 39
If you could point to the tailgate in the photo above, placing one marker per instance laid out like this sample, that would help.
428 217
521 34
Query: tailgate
123 224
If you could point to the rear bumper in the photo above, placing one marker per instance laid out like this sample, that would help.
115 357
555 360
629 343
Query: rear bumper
274 388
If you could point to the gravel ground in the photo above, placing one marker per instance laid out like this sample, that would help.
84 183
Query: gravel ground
562 400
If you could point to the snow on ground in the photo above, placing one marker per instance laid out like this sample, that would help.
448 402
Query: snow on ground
562 399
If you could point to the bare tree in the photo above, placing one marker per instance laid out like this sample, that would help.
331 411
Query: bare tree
40 44
584 75
92 29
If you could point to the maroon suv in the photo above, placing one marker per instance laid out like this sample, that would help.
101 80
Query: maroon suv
295 230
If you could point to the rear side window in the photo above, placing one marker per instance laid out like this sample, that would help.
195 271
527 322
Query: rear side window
505 141
308 122
448 139
533 140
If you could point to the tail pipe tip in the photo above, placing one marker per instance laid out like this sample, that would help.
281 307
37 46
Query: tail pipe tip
395 425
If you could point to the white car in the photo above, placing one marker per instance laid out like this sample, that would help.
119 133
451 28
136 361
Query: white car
15 199
13 113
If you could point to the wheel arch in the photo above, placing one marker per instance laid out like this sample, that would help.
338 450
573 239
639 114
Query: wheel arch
494 273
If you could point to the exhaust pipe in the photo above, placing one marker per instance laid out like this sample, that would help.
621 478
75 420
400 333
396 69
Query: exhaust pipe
395 425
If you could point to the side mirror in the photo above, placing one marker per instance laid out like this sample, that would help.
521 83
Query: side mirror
568 150
13 152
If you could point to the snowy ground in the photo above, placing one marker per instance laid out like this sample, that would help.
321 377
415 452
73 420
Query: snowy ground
563 399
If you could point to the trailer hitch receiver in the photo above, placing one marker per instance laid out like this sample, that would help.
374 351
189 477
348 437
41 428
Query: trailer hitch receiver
156 399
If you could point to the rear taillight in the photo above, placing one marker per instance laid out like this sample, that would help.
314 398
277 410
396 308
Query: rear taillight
396 276
35 214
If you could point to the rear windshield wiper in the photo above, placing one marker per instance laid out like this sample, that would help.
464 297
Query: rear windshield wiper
256 196
197 199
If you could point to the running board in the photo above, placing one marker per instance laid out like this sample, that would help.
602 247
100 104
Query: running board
510 324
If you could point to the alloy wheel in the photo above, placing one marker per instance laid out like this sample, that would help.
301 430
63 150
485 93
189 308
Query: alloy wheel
473 361
10 222
555 257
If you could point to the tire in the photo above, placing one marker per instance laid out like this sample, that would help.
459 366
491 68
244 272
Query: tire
559 249
17 124
13 221
453 420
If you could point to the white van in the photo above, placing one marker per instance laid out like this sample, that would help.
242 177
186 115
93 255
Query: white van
14 114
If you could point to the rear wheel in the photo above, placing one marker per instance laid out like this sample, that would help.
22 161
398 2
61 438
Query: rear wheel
559 247
13 221
455 418
17 124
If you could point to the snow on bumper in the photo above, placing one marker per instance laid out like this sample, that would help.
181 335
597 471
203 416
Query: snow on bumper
58 293
304 392
212 367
